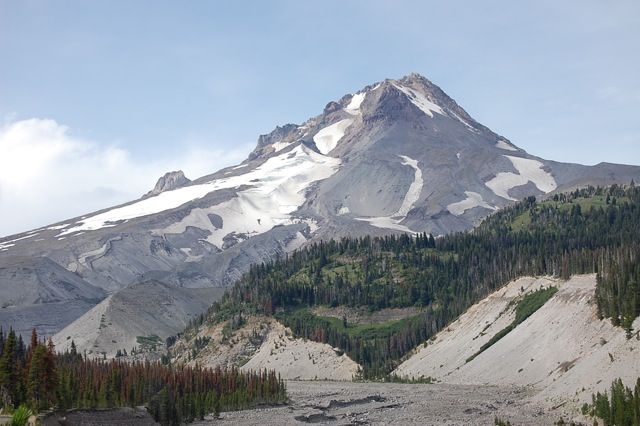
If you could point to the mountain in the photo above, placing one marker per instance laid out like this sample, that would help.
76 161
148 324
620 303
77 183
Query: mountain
397 156
169 182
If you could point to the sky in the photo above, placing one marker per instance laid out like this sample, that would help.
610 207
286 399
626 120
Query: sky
98 99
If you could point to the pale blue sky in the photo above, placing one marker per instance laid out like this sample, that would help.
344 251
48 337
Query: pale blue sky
151 80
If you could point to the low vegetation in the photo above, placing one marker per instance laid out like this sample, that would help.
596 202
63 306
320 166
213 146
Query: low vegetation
530 303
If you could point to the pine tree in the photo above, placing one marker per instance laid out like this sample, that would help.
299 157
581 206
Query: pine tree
37 377
8 373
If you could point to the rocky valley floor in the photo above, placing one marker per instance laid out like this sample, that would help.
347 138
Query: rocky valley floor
354 403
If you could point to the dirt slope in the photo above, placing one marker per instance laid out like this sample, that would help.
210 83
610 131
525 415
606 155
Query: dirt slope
265 343
563 351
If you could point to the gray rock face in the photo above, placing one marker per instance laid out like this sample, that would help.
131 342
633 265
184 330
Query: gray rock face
37 292
134 314
397 156
170 180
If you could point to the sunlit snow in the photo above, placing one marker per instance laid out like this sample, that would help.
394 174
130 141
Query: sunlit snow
473 200
10 243
413 193
421 101
279 146
327 138
354 105
528 171
280 179
410 198
278 192
502 144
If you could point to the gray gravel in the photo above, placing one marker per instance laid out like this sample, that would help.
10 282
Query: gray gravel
346 403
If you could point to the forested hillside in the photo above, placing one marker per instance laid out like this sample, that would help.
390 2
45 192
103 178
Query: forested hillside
586 231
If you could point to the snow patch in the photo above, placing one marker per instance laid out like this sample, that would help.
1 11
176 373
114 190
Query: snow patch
410 198
354 105
528 171
343 210
473 200
328 137
55 228
386 222
413 193
10 243
502 144
279 146
97 253
421 101
297 242
465 122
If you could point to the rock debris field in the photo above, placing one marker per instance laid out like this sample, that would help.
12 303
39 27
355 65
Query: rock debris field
355 403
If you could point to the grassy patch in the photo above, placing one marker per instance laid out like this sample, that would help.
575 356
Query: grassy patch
525 308
521 222
149 343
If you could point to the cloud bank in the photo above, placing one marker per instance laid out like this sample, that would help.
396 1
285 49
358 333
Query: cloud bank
48 175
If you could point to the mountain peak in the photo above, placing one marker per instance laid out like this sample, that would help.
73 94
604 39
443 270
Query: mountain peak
412 97
168 182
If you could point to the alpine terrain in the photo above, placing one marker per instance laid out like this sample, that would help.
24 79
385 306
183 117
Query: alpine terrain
396 157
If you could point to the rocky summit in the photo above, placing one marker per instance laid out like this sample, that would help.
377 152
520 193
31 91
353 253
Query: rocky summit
397 156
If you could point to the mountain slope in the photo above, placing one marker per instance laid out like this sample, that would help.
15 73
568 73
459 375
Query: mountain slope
562 350
142 314
39 292
397 156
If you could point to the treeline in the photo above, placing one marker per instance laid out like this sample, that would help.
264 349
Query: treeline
575 233
37 377
618 291
376 347
619 408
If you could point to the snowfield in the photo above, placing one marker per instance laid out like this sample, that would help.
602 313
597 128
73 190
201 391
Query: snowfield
473 200
420 100
276 190
328 137
528 171
410 198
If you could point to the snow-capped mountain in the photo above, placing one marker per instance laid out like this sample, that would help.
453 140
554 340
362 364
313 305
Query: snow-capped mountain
396 156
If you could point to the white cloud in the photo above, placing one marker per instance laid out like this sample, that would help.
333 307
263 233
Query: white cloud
48 175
